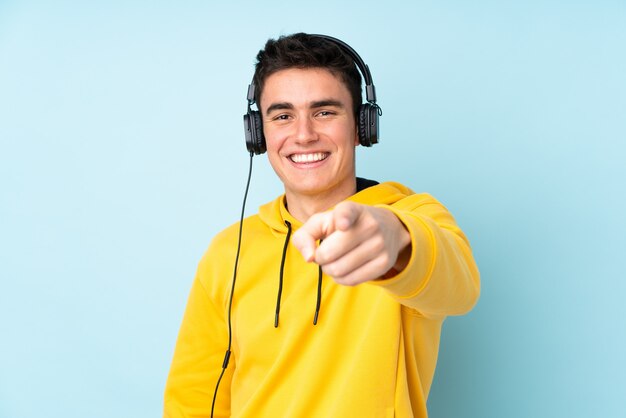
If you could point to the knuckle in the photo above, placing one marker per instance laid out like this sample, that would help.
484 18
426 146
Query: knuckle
329 271
378 244
351 282
385 261
335 270
370 226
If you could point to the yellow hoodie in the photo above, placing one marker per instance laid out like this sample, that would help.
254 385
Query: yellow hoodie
374 348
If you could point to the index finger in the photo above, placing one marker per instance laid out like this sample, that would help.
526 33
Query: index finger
316 228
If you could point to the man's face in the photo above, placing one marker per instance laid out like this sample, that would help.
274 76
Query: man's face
310 132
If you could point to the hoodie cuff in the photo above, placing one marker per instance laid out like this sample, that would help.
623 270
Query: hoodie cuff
409 282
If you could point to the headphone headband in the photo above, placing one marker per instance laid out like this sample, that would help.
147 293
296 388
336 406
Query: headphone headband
370 91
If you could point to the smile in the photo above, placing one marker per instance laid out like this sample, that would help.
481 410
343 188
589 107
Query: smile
308 158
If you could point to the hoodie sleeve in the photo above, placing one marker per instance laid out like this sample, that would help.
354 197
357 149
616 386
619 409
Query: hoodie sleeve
441 277
200 349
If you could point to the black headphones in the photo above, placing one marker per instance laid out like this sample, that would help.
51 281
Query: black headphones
368 112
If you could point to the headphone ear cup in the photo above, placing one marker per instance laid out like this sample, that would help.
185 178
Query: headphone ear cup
368 125
253 126
258 129
363 126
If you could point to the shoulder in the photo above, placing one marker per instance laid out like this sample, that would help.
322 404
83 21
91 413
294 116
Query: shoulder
416 200
225 241
215 267
394 194
402 199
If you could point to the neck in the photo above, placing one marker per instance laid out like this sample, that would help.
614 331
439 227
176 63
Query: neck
302 207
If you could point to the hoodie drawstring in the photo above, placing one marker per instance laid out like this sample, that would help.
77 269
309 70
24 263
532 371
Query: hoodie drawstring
282 269
319 295
280 282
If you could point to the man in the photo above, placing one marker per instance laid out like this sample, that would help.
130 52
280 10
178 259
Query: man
343 283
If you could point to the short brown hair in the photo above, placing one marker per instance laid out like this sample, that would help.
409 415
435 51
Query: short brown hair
302 50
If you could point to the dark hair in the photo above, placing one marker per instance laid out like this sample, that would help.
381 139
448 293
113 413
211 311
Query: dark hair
302 50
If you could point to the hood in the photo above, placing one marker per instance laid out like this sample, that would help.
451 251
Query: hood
274 214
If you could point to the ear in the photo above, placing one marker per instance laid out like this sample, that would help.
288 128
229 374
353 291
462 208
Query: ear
356 136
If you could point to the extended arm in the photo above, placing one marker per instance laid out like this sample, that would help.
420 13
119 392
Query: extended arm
414 249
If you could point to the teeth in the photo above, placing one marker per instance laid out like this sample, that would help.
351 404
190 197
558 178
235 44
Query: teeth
308 158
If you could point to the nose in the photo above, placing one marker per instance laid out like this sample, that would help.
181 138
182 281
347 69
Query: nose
305 130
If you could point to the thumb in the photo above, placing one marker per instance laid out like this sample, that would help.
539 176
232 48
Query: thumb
346 214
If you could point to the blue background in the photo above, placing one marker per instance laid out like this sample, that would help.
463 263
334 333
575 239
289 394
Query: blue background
122 154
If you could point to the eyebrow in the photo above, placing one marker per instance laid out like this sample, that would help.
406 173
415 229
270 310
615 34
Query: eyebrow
327 103
279 106
314 105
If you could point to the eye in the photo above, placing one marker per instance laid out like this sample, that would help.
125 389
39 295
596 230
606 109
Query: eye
281 117
325 113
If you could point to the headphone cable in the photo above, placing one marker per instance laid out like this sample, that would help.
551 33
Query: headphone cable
232 289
